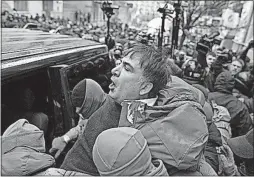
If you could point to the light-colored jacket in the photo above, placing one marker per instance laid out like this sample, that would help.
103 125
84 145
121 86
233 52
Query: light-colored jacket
23 150
23 153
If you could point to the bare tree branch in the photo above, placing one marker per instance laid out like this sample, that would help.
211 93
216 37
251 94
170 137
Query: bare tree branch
195 9
199 11
182 23
189 17
195 19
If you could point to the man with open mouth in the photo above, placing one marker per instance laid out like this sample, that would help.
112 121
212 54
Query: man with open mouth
140 84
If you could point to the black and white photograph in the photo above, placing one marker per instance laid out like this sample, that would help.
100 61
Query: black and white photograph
127 88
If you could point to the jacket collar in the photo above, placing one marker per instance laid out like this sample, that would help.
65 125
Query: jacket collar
150 101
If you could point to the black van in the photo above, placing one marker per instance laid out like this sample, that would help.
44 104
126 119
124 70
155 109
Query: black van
50 65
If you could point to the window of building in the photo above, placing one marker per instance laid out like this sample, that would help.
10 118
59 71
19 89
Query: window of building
21 5
47 5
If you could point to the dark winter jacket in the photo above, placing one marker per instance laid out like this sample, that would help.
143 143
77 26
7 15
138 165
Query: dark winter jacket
240 117
80 157
209 81
249 102
214 140
210 77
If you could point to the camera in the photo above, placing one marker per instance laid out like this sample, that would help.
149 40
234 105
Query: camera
224 56
206 43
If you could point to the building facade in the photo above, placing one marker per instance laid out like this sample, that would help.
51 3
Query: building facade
50 8
72 7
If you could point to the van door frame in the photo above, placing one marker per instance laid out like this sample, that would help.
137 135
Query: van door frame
63 108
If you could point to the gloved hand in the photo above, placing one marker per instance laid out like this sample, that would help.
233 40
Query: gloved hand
227 162
58 146
241 99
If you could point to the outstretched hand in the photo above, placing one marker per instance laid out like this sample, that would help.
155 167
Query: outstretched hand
58 146
227 161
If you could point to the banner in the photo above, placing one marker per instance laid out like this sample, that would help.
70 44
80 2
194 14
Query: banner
230 18
246 14
244 23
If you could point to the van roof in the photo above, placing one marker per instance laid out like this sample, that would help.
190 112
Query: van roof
24 50
21 43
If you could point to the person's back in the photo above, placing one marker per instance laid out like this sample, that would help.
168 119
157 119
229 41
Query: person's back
124 152
240 118
79 158
23 150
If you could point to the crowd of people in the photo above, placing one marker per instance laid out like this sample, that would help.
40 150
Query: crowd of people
164 115
81 26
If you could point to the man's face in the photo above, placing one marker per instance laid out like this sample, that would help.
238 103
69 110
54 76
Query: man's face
189 51
210 60
192 65
235 67
126 80
118 62
181 57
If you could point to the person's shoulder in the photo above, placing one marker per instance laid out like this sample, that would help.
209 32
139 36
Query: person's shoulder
108 105
241 105
110 102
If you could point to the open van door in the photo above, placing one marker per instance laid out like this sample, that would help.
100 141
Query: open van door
63 78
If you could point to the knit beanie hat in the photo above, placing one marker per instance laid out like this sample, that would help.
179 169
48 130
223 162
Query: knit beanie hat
225 82
78 94
23 150
89 96
122 152
22 133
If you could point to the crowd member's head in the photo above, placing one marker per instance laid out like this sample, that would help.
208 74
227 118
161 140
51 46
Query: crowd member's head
244 82
142 73
192 73
210 58
117 54
242 147
25 99
182 56
119 46
225 82
189 50
236 66
124 152
23 148
87 96
118 62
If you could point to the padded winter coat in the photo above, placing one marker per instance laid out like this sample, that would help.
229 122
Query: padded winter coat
240 118
175 127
